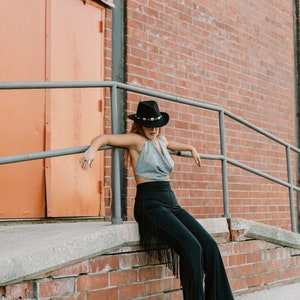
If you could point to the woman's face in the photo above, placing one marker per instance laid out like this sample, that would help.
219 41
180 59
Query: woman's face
151 133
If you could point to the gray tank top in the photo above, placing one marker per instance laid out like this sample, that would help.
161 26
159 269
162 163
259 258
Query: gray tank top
153 164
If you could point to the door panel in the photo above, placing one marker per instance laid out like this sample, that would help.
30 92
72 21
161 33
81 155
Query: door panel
74 47
50 40
22 112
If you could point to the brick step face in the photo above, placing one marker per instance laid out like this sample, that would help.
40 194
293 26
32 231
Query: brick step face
130 274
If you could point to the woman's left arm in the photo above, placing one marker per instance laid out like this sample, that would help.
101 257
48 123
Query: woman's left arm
176 146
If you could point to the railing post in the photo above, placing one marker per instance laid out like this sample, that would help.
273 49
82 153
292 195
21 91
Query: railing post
291 190
224 165
116 168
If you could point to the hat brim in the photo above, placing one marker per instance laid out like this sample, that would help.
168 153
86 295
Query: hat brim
151 124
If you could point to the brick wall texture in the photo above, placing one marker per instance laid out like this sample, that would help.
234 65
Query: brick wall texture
237 55
129 274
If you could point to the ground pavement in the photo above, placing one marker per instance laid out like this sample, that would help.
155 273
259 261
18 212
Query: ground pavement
285 292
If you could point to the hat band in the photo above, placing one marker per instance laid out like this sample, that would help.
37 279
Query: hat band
149 119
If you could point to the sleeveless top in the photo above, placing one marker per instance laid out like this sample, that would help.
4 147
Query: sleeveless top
154 164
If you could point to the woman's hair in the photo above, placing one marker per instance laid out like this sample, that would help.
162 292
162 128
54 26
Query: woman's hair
137 128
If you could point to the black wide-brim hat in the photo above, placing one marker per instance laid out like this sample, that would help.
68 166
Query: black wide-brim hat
148 115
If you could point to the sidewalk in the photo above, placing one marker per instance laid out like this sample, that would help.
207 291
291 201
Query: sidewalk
285 292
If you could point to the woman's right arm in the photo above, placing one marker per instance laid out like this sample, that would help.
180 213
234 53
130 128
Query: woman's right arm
127 140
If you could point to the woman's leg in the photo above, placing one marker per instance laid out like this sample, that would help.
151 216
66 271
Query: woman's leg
179 238
216 282
157 207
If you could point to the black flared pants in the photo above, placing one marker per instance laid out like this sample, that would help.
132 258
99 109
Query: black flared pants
160 217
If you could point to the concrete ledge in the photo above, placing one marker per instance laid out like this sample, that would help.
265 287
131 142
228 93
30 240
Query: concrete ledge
255 230
216 226
31 250
28 251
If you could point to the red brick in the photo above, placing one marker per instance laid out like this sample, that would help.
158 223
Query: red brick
151 272
92 282
160 285
242 247
172 295
132 291
74 297
131 260
79 268
228 249
243 270
238 284
104 264
122 277
271 277
18 291
274 265
290 273
255 280
51 288
254 257
176 295
257 268
237 259
105 294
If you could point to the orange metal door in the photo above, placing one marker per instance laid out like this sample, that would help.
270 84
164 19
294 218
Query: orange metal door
50 40
74 48
22 112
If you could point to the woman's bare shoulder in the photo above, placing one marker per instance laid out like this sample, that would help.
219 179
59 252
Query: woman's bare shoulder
164 139
138 141
134 140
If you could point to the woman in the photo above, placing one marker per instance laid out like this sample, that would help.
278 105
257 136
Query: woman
161 219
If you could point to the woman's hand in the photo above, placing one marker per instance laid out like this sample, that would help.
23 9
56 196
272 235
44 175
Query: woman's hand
196 157
127 140
87 159
175 146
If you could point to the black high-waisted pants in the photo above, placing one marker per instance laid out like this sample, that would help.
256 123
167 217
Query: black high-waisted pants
161 218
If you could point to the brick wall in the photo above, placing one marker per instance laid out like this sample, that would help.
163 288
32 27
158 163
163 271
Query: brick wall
129 274
256 265
238 55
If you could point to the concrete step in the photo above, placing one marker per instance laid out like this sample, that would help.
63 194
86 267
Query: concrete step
284 292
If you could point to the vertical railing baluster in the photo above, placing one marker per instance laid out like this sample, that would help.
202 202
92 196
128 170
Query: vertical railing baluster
291 191
224 165
116 168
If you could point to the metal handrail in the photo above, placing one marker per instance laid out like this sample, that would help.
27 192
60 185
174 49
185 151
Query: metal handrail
116 212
